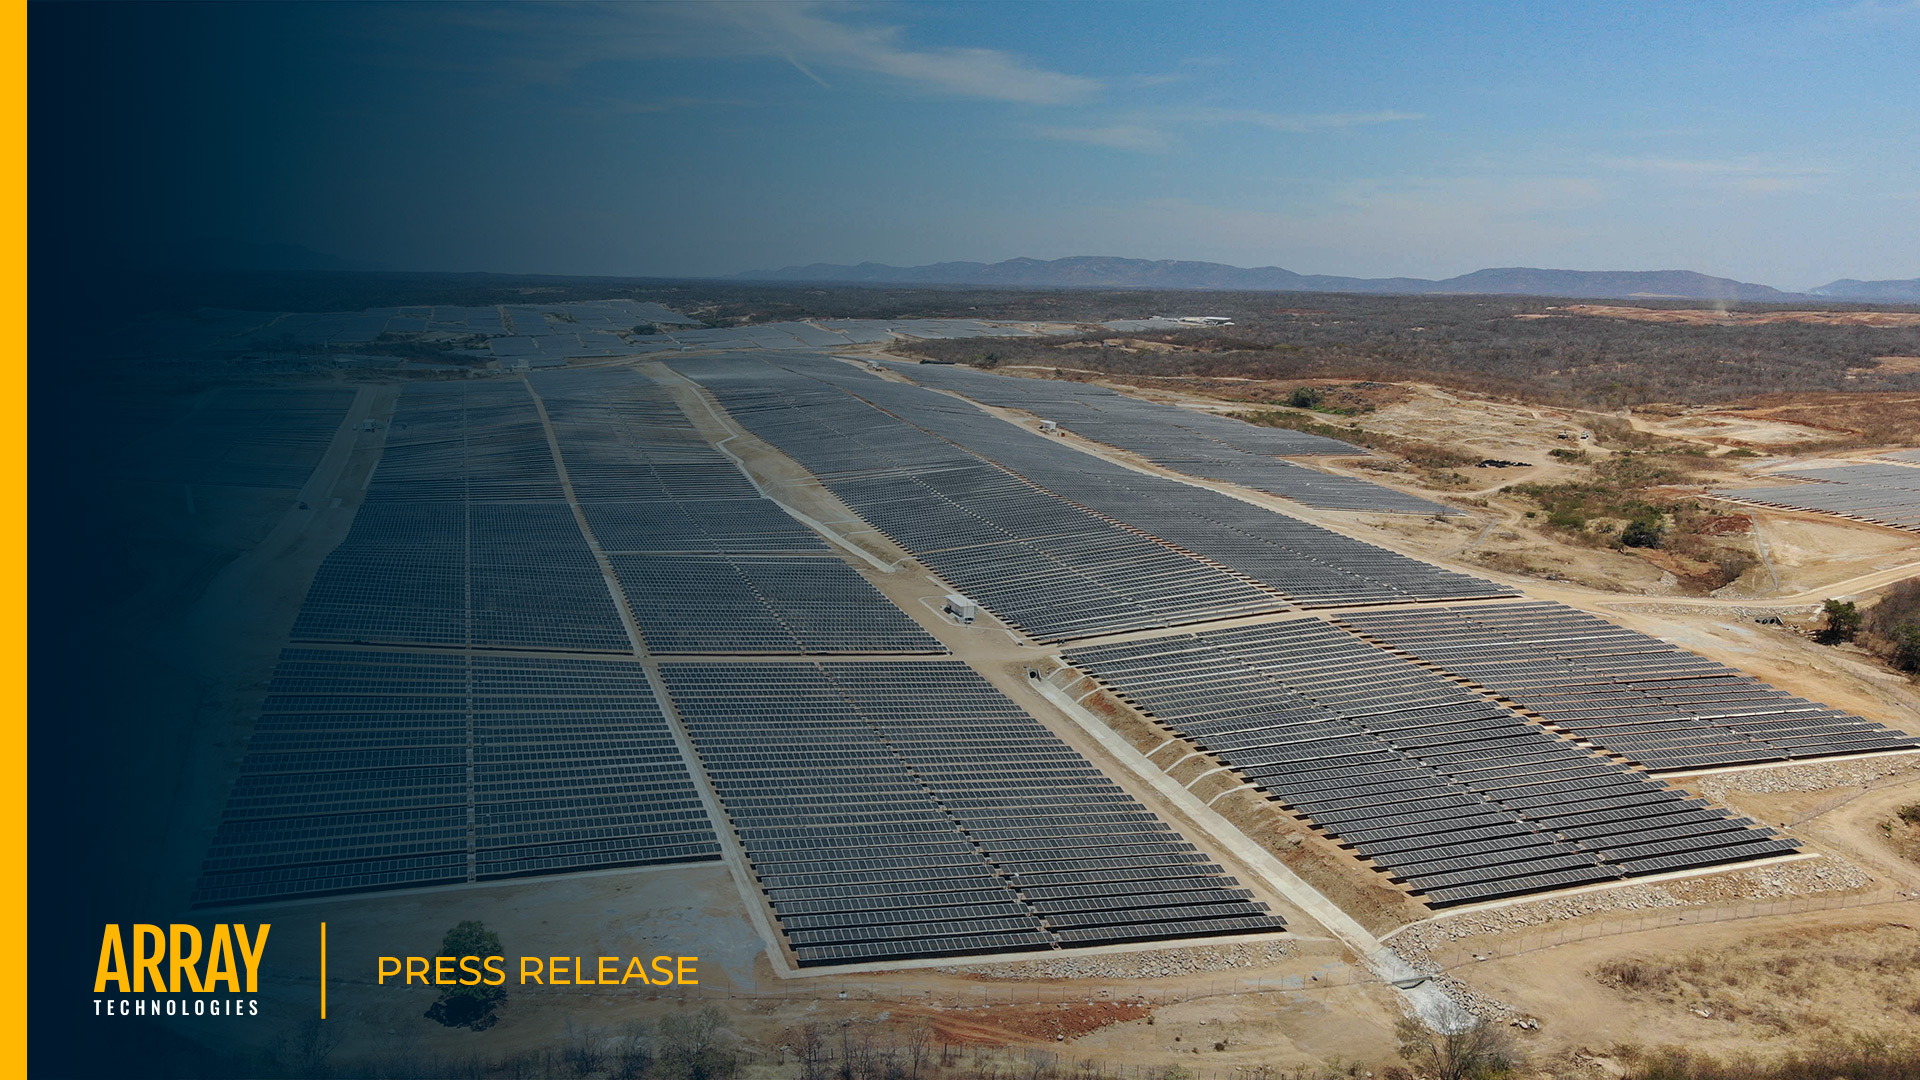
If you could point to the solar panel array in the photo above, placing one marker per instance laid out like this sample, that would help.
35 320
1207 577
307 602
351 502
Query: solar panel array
1200 444
1881 494
371 770
1051 568
464 537
1057 542
243 437
894 811
1311 565
1458 797
1625 692
794 604
648 481
706 563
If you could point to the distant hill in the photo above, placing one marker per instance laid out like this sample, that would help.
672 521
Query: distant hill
1884 292
1092 271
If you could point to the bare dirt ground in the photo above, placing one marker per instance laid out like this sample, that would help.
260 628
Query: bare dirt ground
1712 317
1209 1009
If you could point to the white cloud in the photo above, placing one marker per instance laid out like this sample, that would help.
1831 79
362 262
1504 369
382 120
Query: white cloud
1133 137
1302 123
1750 175
803 34
1428 227
816 39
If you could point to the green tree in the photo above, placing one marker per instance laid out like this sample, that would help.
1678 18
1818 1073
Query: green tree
1304 397
469 1006
1641 533
1843 622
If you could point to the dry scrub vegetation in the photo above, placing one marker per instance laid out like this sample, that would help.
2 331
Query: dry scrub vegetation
1798 986
1474 343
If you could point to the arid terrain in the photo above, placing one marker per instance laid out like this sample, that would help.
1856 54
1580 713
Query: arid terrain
1761 958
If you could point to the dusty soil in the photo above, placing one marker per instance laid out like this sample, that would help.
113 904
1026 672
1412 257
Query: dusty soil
1856 420
1143 1008
1710 317
999 1025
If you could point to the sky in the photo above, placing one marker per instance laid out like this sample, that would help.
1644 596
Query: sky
1770 142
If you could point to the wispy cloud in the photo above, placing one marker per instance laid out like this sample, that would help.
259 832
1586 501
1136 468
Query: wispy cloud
1750 175
805 34
1430 227
817 40
1138 138
1151 132
1303 123
1883 9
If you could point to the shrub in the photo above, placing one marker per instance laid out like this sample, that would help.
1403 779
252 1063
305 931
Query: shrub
1641 533
469 1006
1892 627
1843 622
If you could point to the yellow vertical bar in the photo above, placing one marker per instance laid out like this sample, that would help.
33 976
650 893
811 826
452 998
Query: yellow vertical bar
323 971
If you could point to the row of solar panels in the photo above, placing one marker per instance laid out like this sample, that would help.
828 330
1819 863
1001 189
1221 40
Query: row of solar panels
1625 692
1199 444
1314 567
464 538
1882 494
705 562
385 769
1459 797
897 811
1058 543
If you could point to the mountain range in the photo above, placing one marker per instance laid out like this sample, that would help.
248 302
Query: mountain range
1102 272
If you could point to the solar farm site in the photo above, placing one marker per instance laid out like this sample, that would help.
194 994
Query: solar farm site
1883 494
697 608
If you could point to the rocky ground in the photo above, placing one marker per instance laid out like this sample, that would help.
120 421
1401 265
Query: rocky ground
1156 964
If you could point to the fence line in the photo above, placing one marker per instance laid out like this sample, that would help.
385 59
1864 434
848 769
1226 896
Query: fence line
1334 975
1466 952
1898 776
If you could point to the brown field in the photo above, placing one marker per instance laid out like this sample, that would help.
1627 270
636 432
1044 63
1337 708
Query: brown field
1709 316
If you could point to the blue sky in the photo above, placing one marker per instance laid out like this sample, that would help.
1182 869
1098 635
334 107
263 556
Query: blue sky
1777 143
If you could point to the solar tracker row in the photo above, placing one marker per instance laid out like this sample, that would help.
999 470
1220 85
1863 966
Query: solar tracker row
1053 569
372 770
1057 542
648 481
894 811
1882 494
1625 692
1199 444
1458 797
705 562
796 604
1283 553
463 537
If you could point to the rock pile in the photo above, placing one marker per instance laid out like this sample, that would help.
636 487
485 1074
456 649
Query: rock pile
1813 776
1153 964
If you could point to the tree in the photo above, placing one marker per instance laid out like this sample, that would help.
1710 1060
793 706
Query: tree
469 1006
1641 533
1304 397
813 1053
1475 1051
697 1047
1843 622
